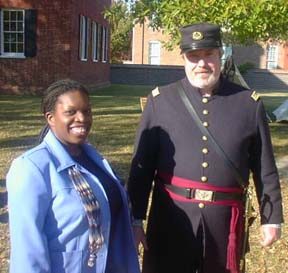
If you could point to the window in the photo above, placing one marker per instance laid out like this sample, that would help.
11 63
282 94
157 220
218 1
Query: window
84 37
104 44
272 57
12 33
18 33
99 46
99 43
95 37
154 52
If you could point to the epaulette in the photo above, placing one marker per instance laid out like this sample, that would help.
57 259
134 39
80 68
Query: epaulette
255 96
155 92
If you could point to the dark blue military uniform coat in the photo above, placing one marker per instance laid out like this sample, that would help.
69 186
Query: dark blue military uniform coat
182 236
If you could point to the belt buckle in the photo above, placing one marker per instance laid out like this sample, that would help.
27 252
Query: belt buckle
203 195
189 193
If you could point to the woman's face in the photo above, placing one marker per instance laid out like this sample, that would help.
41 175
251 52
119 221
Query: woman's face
71 119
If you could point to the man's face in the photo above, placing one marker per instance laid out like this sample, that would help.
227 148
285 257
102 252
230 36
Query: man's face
203 67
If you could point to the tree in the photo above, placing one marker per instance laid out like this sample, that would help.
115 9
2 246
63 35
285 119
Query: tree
242 21
121 24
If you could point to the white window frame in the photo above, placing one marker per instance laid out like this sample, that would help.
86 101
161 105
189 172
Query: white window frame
104 44
99 43
156 56
2 33
95 37
84 37
272 57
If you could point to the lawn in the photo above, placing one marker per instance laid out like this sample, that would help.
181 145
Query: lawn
116 113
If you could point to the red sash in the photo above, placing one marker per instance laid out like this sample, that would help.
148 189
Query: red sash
237 210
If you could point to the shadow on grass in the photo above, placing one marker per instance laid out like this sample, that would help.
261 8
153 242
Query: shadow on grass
117 112
12 116
279 132
3 199
272 101
4 218
3 204
123 90
19 141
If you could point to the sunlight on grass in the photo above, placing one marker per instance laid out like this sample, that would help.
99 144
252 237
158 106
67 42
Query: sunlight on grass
275 94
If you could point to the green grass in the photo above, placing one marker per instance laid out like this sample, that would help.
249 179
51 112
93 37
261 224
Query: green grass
116 113
279 131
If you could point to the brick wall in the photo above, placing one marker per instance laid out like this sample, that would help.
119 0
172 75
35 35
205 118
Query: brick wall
262 79
283 56
255 53
89 72
140 50
259 79
57 47
145 74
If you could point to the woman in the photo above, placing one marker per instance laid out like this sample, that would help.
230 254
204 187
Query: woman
68 211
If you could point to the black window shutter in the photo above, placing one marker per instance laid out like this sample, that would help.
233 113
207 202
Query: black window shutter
0 32
30 32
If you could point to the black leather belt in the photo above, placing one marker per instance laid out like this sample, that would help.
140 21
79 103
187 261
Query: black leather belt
204 195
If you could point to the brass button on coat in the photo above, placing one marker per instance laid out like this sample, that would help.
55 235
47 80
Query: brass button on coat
205 112
205 164
204 100
205 123
205 151
204 178
201 205
204 138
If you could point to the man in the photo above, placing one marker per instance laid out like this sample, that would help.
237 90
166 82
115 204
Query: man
196 217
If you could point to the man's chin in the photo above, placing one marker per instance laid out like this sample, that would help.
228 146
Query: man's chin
204 84
201 84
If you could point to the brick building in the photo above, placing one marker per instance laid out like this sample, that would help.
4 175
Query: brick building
147 48
42 41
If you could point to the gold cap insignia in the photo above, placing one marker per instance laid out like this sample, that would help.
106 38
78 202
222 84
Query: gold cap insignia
155 92
197 35
255 96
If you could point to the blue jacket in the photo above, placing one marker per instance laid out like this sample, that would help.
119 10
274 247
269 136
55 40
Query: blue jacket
48 224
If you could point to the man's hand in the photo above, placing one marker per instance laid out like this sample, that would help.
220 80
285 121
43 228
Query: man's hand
270 234
140 237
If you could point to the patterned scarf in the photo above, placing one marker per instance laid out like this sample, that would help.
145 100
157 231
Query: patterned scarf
92 210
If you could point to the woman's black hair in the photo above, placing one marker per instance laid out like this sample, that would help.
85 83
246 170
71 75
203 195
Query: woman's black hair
56 89
51 94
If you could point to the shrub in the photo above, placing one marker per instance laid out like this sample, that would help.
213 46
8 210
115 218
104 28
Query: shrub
243 68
